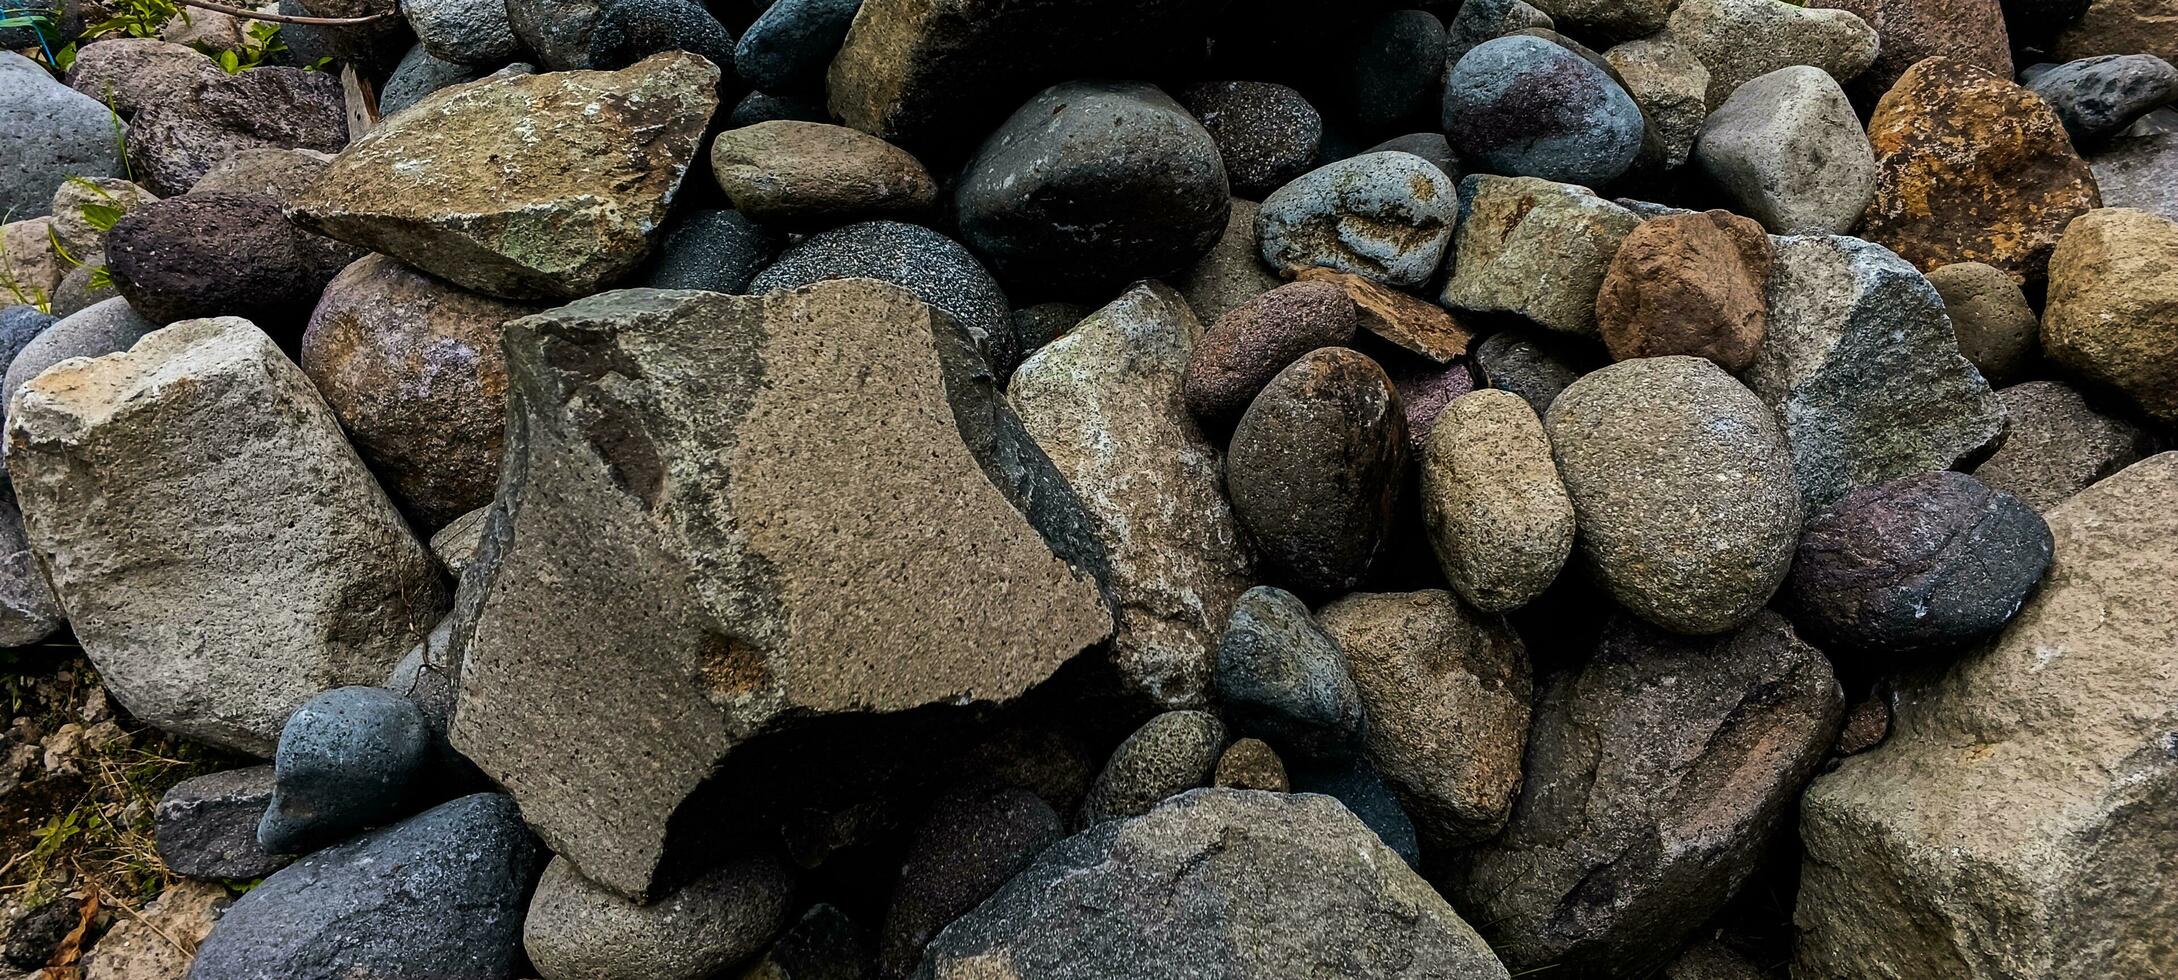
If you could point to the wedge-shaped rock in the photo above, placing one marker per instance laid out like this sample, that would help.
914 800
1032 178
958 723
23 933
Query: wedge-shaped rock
2018 822
523 186
219 548
1862 365
753 542
1104 402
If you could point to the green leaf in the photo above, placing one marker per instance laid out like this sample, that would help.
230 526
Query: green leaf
230 62
101 217
101 278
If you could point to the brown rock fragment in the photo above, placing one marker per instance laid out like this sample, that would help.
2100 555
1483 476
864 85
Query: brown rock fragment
1410 322
1688 284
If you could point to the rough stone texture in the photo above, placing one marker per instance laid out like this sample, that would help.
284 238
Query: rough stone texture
1863 367
1170 754
576 930
719 251
207 826
76 292
1972 168
629 31
1228 883
171 144
1657 773
1525 106
132 73
2112 316
77 202
503 212
437 895
1104 403
925 73
2056 445
1741 40
1534 248
2097 97
1711 960
1231 273
1040 324
221 553
1280 677
1498 516
556 32
1536 365
30 268
1648 449
935 268
1447 693
158 942
277 173
1247 347
411 366
1315 467
1413 324
1387 216
29 612
53 134
2119 27
1914 566
1482 20
1970 31
103 328
456 545
1250 763
464 32
348 759
2025 792
791 43
204 255
974 839
817 175
1090 185
1266 133
1789 150
419 74
1688 284
1990 316
1610 18
1672 89
777 576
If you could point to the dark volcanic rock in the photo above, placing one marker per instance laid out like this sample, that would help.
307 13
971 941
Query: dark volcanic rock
628 31
1388 71
2097 97
719 251
207 826
1917 565
974 839
2056 445
792 42
1315 468
1248 346
1266 133
933 267
1656 774
347 760
1091 185
1358 785
173 142
221 255
1534 364
1281 678
1522 106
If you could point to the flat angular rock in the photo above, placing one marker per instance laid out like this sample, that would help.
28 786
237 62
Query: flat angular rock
1790 151
2056 445
1657 773
220 550
1644 447
101 328
1688 284
1972 168
1104 403
2112 315
575 930
159 942
866 533
280 174
1672 89
1516 228
1741 40
523 186
1386 216
2022 791
1863 367
207 826
1415 325
437 895
54 133
1498 515
1446 690
1230 883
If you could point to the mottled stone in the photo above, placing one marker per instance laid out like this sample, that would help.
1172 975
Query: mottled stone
84 207
1426 390
30 267
1534 248
935 268
54 133
1862 365
1231 273
1104 402
791 43
1477 21
777 588
2056 445
1647 448
1523 106
1250 344
1688 284
2097 97
1315 467
1658 772
132 73
814 175
1266 133
173 143
628 32
1970 31
1446 691
1281 678
102 328
207 826
577 930
1740 40
1230 883
2139 170
348 759
556 32
1972 168
1536 365
2119 27
1387 216
1789 150
158 940
221 254
2112 316
461 187
1169 755
1250 763
420 73
1498 516
719 251
1672 89
973 840
464 32
280 174
2024 792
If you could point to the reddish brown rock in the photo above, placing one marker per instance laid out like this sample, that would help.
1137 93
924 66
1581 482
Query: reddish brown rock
1972 168
1248 346
1688 284
411 366
1971 31
1413 323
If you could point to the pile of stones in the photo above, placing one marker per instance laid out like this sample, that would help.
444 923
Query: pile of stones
961 489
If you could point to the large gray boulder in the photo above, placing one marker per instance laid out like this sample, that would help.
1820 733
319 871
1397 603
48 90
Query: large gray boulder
1657 773
2019 820
1104 402
53 133
1237 884
221 551
757 551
